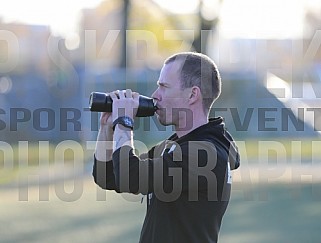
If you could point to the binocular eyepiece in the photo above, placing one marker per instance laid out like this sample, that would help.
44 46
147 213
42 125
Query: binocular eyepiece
103 102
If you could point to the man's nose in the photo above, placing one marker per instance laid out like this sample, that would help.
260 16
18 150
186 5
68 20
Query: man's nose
155 95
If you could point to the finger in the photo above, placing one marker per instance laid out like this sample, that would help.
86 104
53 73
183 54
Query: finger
113 95
129 93
122 94
117 93
135 95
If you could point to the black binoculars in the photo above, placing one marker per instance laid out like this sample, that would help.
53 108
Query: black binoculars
103 102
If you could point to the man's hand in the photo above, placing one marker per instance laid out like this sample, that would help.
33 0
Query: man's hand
125 103
104 144
106 120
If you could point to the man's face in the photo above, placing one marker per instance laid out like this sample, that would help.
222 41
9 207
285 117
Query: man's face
170 98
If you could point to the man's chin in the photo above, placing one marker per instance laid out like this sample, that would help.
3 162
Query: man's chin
161 120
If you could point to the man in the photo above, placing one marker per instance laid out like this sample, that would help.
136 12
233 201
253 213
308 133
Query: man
187 177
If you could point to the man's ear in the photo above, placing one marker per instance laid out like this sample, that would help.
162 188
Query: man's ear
195 95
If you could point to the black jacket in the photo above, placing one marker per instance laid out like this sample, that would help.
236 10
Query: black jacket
186 180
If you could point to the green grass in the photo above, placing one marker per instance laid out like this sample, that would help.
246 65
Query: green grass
276 212
271 213
33 153
304 149
19 159
287 213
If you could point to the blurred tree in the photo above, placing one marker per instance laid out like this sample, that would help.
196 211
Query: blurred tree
207 20
207 23
312 32
147 40
148 32
125 13
312 21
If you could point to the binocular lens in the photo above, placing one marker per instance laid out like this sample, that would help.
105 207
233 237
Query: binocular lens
102 102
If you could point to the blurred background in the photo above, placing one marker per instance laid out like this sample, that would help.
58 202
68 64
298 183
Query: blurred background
53 54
